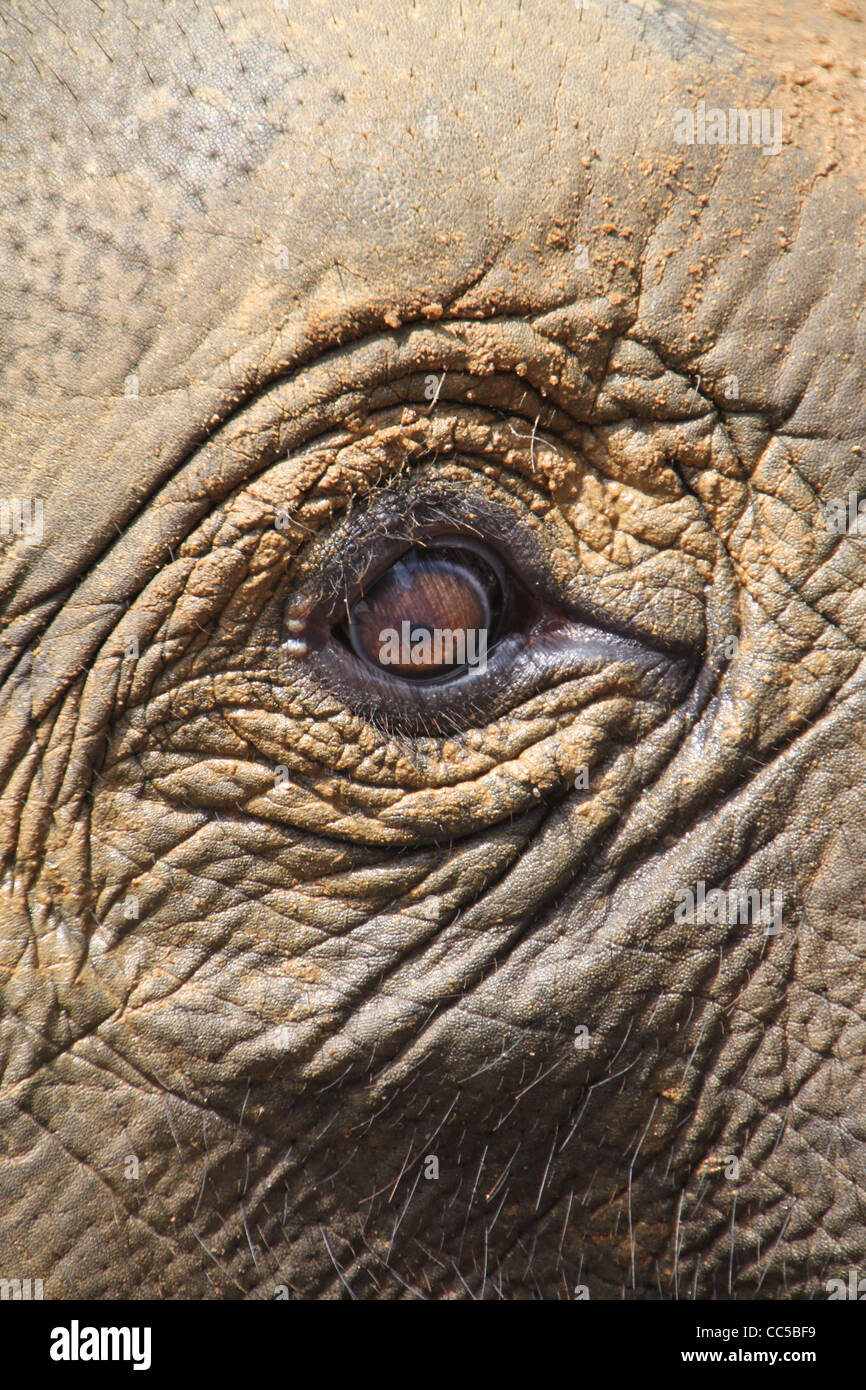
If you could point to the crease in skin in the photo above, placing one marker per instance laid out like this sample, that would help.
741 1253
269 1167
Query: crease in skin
293 1140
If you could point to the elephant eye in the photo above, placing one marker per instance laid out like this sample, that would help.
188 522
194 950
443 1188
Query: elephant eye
434 615
426 630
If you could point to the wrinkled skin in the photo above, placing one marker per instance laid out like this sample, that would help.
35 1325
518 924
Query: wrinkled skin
237 242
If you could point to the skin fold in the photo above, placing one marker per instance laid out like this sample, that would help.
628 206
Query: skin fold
282 280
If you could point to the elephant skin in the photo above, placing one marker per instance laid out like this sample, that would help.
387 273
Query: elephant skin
305 997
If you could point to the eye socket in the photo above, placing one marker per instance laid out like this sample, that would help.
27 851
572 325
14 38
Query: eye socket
398 564
433 616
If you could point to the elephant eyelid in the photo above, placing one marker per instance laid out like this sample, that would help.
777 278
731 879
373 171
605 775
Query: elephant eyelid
544 638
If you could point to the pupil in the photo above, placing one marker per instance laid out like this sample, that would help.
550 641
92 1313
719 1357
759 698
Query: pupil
431 614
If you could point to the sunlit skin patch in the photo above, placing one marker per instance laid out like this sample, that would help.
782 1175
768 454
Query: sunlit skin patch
432 615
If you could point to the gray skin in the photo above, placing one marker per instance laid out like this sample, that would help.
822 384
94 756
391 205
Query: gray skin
243 1007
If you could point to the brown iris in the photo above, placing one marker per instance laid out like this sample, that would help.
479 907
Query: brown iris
432 614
